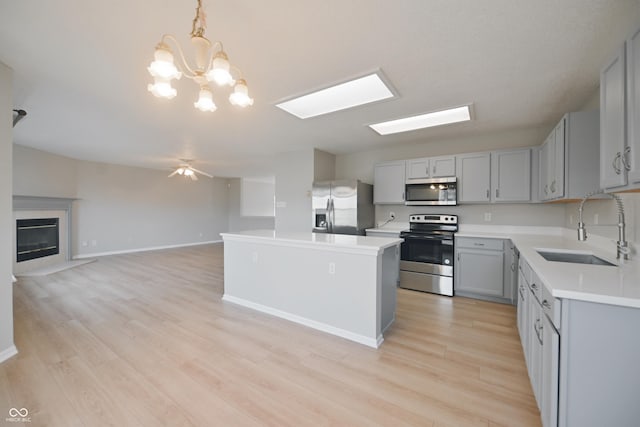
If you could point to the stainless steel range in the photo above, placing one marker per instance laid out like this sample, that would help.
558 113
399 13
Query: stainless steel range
426 255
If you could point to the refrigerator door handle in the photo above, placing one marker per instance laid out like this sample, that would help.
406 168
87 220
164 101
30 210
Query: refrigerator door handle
332 215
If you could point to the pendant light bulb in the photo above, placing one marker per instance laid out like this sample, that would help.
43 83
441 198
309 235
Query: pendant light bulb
161 88
219 72
205 101
163 65
240 96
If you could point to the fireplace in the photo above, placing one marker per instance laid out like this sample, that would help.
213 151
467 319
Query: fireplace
37 238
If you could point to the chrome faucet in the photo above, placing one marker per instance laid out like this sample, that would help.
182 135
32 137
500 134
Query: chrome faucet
621 245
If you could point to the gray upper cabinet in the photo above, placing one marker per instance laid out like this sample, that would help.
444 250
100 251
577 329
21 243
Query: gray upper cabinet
511 175
620 118
632 150
430 167
612 122
474 177
568 159
388 182
498 176
417 168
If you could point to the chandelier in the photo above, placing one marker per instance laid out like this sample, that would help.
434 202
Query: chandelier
209 67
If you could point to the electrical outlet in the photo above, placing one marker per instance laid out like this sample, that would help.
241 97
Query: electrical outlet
85 243
332 268
596 219
570 219
392 215
487 216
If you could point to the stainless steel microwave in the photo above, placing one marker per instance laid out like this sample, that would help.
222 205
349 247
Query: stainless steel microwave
431 192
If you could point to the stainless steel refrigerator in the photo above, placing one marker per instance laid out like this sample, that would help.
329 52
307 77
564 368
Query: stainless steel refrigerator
342 207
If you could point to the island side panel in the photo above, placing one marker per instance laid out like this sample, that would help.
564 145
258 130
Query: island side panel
297 283
390 265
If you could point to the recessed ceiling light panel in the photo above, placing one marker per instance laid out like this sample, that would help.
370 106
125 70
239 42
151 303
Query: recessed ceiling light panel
353 93
436 118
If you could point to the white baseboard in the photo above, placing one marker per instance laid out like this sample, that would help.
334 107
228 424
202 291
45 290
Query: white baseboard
361 339
151 248
9 352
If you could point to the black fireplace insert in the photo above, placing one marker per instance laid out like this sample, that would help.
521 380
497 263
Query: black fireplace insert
37 238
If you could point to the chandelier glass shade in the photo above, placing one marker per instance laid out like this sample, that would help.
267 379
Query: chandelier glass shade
211 65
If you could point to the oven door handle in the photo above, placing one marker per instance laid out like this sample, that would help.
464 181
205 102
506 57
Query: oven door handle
412 237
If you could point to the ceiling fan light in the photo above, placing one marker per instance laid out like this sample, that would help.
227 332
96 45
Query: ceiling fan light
219 72
163 65
205 101
188 172
161 88
240 96
180 171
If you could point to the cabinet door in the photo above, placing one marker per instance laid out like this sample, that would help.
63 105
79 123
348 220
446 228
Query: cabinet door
474 177
388 183
534 361
612 122
523 309
442 166
511 175
543 176
557 179
632 155
480 271
417 168
550 372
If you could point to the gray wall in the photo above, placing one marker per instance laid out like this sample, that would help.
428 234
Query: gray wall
38 173
294 180
123 208
237 222
6 213
324 165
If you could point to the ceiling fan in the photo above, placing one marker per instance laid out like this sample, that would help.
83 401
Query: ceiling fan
186 170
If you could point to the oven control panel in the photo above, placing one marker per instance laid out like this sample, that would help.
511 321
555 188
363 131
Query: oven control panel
433 219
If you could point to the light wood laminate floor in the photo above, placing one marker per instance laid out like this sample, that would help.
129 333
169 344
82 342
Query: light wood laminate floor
145 340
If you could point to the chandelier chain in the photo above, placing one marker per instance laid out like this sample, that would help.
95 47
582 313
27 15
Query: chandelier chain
200 21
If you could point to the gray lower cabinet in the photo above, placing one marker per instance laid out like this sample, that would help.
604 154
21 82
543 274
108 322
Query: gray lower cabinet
483 269
582 357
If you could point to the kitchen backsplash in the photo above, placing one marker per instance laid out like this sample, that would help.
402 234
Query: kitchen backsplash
601 216
546 215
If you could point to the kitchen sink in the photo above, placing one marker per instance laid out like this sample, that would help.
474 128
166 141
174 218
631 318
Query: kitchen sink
573 257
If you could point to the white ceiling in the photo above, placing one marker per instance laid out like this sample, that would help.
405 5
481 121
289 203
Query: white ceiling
80 72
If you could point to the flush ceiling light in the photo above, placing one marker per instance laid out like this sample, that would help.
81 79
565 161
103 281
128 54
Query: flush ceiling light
436 118
209 67
356 92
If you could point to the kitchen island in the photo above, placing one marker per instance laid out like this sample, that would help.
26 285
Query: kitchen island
340 284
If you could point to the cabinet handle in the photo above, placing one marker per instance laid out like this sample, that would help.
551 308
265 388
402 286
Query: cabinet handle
488 194
478 244
513 267
625 160
458 256
402 195
546 304
546 189
534 286
553 186
497 193
615 163
434 169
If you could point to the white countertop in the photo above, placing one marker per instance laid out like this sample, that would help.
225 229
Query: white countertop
317 240
619 285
